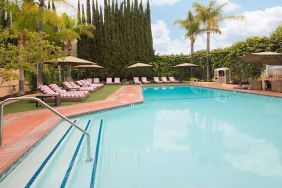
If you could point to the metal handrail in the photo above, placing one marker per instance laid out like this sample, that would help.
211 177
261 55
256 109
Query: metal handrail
2 104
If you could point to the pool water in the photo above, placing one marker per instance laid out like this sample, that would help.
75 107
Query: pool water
181 137
193 137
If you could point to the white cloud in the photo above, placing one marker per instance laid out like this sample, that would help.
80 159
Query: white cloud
230 5
164 2
163 43
256 23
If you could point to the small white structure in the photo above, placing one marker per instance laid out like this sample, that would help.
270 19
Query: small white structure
222 75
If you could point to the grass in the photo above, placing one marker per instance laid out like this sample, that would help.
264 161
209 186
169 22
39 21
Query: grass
23 106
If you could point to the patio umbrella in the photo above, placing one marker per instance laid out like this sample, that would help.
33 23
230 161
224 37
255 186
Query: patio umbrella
138 65
187 65
71 61
93 66
266 58
86 67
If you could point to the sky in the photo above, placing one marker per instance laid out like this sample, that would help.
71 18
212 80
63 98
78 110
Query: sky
261 19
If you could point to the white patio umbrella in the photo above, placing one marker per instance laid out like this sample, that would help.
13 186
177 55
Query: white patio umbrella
71 61
138 65
265 58
187 65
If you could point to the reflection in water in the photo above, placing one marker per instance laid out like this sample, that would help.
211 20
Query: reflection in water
169 135
180 143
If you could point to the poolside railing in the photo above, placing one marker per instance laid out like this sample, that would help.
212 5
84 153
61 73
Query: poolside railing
2 104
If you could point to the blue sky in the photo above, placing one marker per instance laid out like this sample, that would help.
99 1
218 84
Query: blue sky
261 18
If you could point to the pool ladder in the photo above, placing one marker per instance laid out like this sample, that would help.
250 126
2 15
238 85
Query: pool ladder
2 104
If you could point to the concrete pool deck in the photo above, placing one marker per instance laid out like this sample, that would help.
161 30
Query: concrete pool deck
23 130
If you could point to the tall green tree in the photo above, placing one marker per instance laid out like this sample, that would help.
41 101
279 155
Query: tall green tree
26 18
88 12
192 27
211 15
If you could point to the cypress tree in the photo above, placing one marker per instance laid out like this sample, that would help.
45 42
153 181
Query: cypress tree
93 13
49 5
123 35
88 12
83 19
78 12
53 6
2 13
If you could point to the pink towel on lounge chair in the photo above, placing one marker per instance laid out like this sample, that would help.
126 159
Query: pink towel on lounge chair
109 80
156 80
164 79
136 80
117 80
144 80
172 79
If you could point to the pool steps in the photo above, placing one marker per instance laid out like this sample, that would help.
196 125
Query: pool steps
60 167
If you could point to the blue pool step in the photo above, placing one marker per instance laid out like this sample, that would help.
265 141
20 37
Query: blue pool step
65 166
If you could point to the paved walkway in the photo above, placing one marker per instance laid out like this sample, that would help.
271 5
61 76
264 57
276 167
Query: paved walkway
231 88
23 130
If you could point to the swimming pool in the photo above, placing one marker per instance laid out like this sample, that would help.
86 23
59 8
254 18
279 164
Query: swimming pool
179 137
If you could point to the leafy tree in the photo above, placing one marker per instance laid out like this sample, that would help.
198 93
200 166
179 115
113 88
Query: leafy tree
276 40
25 54
210 16
192 27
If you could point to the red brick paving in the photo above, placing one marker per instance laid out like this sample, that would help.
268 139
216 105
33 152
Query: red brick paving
22 130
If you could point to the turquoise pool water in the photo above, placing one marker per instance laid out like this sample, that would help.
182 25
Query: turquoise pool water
182 137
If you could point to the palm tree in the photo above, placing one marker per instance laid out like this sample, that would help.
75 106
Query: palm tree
25 18
211 15
42 6
192 26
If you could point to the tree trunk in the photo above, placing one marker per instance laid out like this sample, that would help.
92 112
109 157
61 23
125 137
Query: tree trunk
60 73
69 78
39 67
69 48
192 49
21 72
208 56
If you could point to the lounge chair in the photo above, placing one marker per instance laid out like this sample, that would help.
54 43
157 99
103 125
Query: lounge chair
96 80
85 83
172 79
109 81
93 84
90 80
57 89
72 86
66 96
157 80
144 80
117 81
255 84
136 80
164 79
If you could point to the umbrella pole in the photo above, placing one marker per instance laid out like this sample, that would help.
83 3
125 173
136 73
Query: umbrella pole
69 73
60 73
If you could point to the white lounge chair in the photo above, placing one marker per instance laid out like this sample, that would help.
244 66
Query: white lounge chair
109 81
117 81
136 80
144 80
157 80
164 79
172 79
96 80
